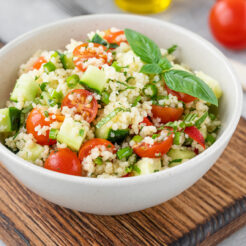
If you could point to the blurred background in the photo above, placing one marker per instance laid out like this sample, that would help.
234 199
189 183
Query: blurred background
17 17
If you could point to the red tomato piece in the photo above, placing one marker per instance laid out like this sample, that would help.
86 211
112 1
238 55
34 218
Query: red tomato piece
115 37
146 122
84 102
86 51
166 114
228 23
181 96
154 151
86 148
195 134
35 118
64 161
38 63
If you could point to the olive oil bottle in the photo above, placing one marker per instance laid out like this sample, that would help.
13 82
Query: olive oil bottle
143 6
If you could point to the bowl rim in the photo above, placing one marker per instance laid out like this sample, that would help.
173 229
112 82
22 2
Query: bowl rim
224 138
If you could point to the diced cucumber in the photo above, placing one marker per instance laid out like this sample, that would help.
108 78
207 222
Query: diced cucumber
9 119
72 133
26 89
181 154
117 136
148 165
31 152
212 83
203 131
94 78
175 163
103 132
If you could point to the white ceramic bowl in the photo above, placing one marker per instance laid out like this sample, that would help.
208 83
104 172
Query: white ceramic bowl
119 196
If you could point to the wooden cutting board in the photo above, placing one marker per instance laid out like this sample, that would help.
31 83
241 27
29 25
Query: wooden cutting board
205 214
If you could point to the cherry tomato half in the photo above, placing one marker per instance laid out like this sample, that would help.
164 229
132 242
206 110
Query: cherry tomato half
115 37
146 122
64 161
166 114
195 134
86 51
181 96
34 119
86 148
38 63
228 23
154 151
84 102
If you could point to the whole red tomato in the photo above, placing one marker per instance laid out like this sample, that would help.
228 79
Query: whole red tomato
228 23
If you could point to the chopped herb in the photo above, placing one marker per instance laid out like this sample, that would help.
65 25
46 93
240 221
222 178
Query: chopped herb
99 40
110 116
172 49
98 160
212 116
46 113
136 169
126 85
124 153
81 132
210 139
176 139
201 120
136 100
53 133
154 136
156 170
117 67
105 97
43 86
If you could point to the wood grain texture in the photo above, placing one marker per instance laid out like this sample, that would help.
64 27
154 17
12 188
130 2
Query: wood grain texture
205 214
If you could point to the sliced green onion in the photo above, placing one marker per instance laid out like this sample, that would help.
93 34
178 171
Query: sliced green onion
129 78
172 49
116 66
137 139
53 133
136 100
150 90
110 116
105 97
176 139
72 81
124 153
57 96
43 86
201 120
98 160
49 67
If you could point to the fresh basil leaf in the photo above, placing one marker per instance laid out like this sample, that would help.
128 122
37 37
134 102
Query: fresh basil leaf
172 49
143 47
164 63
99 40
188 83
151 69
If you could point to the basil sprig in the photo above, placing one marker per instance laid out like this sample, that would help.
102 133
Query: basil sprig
188 83
177 80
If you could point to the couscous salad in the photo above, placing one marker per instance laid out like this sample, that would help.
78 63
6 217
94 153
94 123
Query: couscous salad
115 105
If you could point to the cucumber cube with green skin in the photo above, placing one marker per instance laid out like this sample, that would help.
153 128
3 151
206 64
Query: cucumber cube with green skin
94 78
31 152
148 165
181 154
9 119
72 133
26 89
